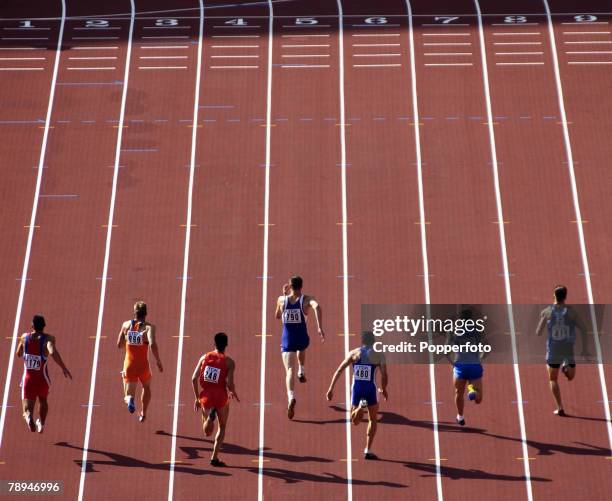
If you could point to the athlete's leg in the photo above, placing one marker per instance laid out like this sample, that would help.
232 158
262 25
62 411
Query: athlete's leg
372 425
289 360
356 414
301 356
459 392
43 409
129 388
553 375
477 384
223 414
145 398
208 425
28 413
570 372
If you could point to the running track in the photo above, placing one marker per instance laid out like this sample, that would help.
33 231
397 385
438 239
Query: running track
414 176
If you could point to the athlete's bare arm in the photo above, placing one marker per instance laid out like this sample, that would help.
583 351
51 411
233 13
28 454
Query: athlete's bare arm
55 355
352 356
194 382
231 388
121 338
20 347
280 303
316 307
542 322
153 346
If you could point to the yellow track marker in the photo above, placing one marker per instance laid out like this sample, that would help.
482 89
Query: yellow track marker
441 459
522 459
28 226
348 224
583 221
424 222
257 460
94 337
185 226
344 460
497 222
349 334
112 226
263 335
263 224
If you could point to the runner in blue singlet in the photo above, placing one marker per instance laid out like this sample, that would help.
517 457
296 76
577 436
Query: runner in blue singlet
364 393
561 321
292 308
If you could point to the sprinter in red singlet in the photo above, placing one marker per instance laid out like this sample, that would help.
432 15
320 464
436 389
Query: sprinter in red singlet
214 373
35 347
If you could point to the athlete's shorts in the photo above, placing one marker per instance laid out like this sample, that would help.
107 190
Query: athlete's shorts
468 372
299 344
31 389
132 376
558 353
214 399
364 392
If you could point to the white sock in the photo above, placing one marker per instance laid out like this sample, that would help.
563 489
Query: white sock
366 450
290 395
300 370
459 417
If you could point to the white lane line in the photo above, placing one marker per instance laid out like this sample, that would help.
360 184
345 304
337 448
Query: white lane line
162 67
444 25
192 164
107 248
519 53
26 29
94 38
517 43
504 253
394 65
293 46
264 271
382 35
449 64
591 42
237 26
238 67
158 47
97 68
448 53
589 62
306 36
586 32
252 56
447 34
521 24
28 250
22 58
165 37
417 140
162 57
378 55
97 28
448 44
23 48
21 69
589 52
583 251
235 46
305 26
82 47
23 38
166 27
375 45
574 23
304 65
345 272
305 55
526 63
92 58
516 33
236 36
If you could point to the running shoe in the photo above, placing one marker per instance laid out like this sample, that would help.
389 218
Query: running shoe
39 426
291 408
461 421
559 412
217 463
471 392
363 403
370 456
30 422
302 377
130 405
141 418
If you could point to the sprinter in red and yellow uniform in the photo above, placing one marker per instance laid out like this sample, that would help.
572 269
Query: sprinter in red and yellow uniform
214 373
138 335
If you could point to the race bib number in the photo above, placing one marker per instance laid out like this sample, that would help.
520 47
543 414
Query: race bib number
211 374
135 338
560 333
32 362
362 372
292 316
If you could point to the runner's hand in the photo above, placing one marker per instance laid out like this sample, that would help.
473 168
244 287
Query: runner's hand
66 373
322 335
384 393
233 395
160 366
329 395
196 405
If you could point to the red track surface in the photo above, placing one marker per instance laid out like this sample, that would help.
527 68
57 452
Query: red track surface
308 457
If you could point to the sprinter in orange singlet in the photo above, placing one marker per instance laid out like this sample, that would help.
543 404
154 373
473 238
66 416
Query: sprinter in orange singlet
214 373
138 335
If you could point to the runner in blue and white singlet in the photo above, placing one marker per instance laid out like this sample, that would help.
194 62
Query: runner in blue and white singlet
364 361
292 308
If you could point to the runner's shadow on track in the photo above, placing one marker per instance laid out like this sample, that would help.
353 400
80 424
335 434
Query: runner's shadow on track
294 477
123 461
194 452
452 473
547 449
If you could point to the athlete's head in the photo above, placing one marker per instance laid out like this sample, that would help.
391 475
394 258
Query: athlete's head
296 283
367 338
221 341
560 293
38 323
140 309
